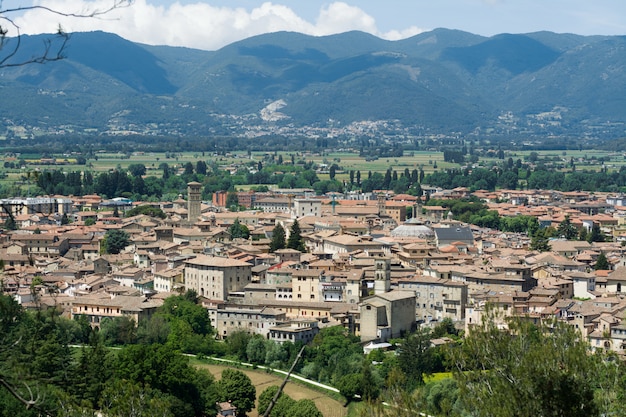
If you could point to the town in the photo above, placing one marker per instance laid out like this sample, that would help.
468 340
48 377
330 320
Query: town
362 262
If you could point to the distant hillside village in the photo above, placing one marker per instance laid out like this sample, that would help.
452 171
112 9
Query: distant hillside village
378 264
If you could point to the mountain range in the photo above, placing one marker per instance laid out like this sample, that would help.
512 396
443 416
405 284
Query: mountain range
438 82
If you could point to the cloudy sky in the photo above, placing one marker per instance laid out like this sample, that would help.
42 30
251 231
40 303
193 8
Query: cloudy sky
211 24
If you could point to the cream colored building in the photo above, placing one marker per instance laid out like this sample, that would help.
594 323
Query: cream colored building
437 298
305 284
98 308
169 280
307 207
251 319
388 315
215 278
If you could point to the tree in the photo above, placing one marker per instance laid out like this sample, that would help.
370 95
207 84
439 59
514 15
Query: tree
350 386
53 48
92 371
596 234
115 241
137 170
540 241
304 408
278 238
237 343
285 406
255 350
10 224
118 330
295 240
266 398
415 357
540 369
124 398
602 263
236 387
201 168
238 230
147 210
190 391
566 229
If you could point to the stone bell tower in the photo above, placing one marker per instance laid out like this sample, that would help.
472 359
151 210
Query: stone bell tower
194 195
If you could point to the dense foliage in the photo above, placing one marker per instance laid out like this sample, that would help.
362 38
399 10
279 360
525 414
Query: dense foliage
115 240
41 375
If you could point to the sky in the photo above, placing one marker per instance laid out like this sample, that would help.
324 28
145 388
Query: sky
212 24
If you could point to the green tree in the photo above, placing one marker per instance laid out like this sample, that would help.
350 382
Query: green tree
238 230
295 240
184 308
124 398
155 329
190 391
596 234
266 397
10 224
255 350
236 387
147 210
304 408
350 386
540 241
283 405
137 170
115 240
237 343
278 238
118 330
91 371
567 230
529 370
602 263
201 168
415 356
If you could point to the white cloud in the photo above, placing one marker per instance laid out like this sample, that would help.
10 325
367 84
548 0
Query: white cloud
200 25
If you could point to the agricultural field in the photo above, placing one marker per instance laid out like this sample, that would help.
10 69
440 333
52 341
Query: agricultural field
17 179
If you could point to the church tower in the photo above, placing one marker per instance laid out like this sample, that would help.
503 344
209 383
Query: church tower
382 275
194 195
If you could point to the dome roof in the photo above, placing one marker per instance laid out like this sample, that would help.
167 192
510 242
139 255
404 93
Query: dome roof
413 230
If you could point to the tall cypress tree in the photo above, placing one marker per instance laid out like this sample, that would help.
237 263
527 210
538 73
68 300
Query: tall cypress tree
295 238
278 238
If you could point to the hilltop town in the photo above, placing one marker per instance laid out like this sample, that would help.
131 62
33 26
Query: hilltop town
376 263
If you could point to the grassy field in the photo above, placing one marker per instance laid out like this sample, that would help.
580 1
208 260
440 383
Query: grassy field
426 160
261 380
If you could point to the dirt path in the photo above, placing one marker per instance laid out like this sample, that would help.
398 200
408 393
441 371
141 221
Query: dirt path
261 380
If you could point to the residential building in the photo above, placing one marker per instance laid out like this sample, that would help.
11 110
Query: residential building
215 278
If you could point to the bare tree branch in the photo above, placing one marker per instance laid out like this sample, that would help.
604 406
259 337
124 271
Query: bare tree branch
53 50
28 402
